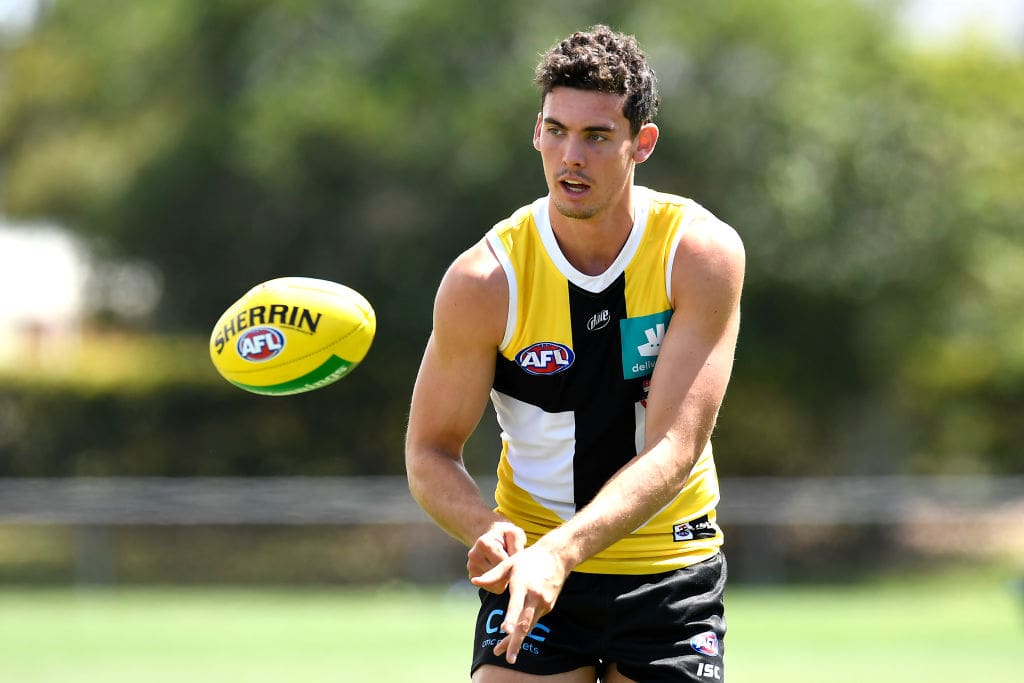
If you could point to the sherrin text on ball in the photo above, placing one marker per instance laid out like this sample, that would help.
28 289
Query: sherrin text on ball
292 334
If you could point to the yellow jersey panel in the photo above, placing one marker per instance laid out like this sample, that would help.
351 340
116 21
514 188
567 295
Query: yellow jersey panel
571 382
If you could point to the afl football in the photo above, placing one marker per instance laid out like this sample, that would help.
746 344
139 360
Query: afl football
292 334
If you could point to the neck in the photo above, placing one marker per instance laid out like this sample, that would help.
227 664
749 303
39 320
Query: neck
591 245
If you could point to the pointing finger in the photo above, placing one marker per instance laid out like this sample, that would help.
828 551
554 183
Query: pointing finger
517 631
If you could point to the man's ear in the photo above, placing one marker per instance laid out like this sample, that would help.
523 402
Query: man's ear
536 130
646 140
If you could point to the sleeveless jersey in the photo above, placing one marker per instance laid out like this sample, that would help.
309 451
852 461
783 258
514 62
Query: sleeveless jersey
571 380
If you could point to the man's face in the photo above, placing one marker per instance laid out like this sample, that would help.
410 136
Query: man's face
587 150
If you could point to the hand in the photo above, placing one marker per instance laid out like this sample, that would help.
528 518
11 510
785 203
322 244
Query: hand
498 543
534 578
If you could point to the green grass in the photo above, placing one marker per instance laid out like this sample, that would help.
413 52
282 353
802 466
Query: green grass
946 631
937 631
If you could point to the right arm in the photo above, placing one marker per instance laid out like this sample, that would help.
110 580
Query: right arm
451 392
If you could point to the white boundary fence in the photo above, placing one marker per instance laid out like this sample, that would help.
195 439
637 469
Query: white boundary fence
758 508
375 500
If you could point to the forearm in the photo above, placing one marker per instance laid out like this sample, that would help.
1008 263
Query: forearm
446 491
686 392
634 495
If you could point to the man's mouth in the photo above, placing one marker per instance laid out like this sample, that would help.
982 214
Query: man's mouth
572 186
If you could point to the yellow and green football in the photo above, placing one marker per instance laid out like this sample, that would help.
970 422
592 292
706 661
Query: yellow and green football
292 334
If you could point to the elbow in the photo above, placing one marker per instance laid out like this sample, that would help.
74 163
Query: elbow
423 465
413 464
414 476
676 468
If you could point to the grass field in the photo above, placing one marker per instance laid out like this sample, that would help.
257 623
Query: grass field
961 628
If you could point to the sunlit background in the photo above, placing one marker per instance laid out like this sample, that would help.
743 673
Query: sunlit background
157 159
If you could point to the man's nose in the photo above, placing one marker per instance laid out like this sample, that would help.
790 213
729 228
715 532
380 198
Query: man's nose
573 154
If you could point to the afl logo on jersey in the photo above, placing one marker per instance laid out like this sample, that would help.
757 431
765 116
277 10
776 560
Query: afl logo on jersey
545 358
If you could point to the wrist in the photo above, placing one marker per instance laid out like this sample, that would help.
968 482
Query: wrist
562 547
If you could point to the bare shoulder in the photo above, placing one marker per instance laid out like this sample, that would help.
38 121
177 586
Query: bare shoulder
472 301
709 264
710 242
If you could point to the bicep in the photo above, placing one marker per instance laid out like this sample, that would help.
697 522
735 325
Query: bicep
449 396
696 358
457 370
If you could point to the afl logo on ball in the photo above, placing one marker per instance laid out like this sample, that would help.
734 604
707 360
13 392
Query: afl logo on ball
545 358
260 344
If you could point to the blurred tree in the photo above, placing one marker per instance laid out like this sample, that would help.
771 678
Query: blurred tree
876 188
369 141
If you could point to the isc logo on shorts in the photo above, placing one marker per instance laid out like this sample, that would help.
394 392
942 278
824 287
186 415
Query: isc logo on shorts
705 670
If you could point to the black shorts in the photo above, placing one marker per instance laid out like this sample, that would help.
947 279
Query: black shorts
655 627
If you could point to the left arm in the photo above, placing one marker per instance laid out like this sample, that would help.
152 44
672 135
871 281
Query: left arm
686 392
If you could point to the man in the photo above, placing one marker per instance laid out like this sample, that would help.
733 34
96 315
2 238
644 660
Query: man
601 321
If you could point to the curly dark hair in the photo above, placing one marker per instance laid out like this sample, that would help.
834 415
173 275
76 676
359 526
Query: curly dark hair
607 61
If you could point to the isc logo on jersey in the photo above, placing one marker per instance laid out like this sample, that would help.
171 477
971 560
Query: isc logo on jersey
260 344
545 358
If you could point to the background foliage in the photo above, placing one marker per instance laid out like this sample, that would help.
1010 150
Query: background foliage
876 186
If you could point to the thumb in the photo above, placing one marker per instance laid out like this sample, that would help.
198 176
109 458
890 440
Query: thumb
515 540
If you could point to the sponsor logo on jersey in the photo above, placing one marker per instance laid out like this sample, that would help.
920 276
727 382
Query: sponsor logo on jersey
641 343
652 347
260 344
545 358
705 643
694 529
599 320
